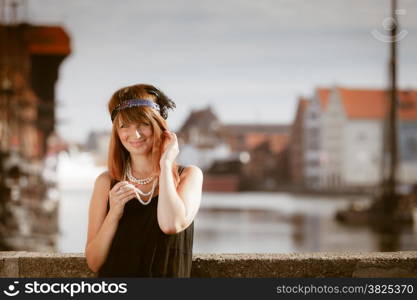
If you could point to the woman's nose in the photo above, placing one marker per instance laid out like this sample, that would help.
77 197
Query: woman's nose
137 133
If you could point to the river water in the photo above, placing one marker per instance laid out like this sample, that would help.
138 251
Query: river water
254 223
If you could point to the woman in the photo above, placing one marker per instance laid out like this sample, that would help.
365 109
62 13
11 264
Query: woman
142 209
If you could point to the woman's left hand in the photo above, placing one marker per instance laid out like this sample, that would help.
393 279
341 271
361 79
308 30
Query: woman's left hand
170 148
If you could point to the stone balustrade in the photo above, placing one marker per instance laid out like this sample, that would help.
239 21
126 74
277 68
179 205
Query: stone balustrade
312 265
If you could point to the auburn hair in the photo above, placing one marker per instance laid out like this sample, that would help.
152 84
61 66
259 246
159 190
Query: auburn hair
118 156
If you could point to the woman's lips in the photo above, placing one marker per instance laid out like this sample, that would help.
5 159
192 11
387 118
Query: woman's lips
136 144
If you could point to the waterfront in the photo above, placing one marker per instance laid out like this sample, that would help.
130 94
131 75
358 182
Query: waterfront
253 223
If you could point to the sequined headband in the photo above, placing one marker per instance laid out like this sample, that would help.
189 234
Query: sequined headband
133 103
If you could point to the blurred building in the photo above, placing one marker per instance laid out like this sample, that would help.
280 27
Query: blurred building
201 141
344 138
244 137
263 149
296 145
30 57
98 144
407 139
312 138
234 155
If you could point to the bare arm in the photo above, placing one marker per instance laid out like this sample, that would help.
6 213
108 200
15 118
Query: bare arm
177 207
102 226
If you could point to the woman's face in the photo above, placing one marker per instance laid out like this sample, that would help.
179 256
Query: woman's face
137 138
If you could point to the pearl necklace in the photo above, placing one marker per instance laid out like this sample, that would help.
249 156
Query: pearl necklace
134 179
138 192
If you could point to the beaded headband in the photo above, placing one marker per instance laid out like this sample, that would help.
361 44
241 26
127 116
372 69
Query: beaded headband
133 103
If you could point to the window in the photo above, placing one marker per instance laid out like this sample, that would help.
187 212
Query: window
411 147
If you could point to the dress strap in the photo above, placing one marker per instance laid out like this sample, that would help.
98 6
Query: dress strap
112 183
180 169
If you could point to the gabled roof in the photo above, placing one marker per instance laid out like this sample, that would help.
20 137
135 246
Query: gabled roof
363 104
373 104
323 95
201 118
274 144
301 108
370 103
302 105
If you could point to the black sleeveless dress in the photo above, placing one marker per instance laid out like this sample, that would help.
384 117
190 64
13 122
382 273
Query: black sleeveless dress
140 248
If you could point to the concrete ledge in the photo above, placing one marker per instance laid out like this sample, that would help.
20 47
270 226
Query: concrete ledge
313 265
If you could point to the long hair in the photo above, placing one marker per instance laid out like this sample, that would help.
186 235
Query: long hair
118 155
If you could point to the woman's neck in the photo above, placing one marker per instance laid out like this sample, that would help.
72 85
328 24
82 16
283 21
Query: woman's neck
141 165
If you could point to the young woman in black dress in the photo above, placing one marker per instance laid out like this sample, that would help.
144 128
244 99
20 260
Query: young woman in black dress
141 215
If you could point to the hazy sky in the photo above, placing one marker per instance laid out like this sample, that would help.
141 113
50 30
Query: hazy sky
250 60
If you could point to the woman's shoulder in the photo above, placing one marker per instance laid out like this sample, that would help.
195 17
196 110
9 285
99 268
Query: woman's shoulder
191 170
103 180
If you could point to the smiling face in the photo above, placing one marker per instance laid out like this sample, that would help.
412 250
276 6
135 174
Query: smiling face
136 137
137 130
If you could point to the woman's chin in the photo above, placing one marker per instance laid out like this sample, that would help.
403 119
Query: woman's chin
138 150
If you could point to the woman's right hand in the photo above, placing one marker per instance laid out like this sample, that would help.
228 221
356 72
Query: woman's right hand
118 196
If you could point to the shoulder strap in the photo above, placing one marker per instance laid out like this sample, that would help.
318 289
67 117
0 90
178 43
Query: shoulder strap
112 183
180 169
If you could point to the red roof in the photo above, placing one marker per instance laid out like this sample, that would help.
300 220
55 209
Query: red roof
278 142
373 104
50 40
323 95
408 105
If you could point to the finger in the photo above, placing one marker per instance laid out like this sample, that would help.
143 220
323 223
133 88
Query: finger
169 141
127 185
127 198
168 134
121 191
126 193
117 196
120 198
118 185
173 137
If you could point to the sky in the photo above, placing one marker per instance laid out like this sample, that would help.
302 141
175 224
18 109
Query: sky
249 60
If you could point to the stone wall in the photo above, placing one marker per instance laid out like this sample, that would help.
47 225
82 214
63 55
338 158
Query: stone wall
313 265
